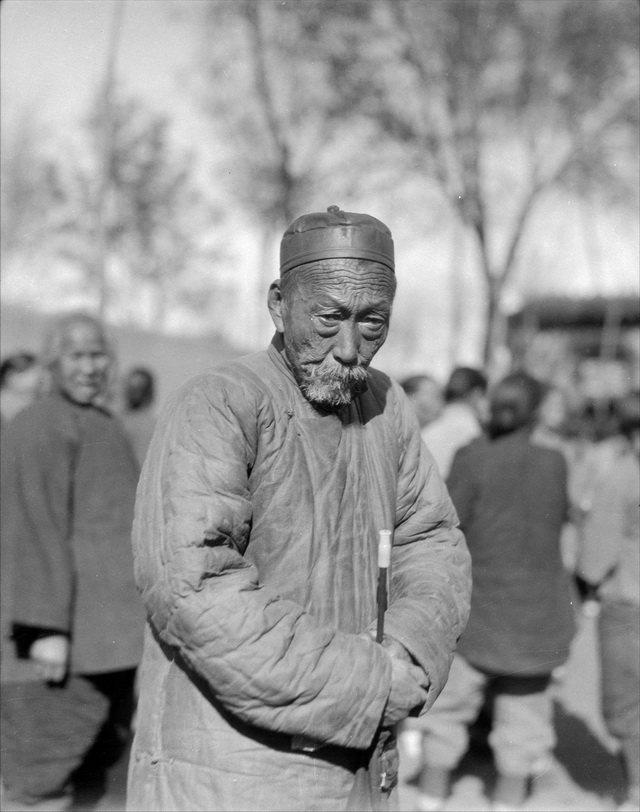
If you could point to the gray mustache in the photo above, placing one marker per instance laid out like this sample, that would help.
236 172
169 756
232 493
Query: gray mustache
334 373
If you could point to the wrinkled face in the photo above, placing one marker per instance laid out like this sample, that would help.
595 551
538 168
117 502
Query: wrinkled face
334 318
83 365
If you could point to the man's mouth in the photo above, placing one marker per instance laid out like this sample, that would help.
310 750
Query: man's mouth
331 384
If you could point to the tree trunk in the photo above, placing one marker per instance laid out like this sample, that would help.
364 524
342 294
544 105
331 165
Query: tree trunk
456 266
101 226
493 323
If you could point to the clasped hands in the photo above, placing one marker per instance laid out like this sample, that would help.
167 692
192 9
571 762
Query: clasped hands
409 684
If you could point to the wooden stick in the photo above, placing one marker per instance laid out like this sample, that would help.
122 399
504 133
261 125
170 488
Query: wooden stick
384 560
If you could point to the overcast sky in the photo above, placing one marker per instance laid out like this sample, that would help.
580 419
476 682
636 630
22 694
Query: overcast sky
53 54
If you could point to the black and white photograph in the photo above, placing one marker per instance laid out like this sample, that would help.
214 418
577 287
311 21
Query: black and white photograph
320 405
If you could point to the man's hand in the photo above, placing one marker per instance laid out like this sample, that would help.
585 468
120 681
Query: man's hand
50 655
409 683
409 686
395 649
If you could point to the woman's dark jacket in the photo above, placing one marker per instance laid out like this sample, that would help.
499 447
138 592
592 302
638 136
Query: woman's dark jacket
511 497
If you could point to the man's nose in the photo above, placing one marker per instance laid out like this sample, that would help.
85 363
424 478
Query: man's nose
348 343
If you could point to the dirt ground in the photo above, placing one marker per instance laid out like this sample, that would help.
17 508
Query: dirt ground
587 775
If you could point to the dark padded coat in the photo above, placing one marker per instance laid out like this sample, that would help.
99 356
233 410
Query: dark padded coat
69 477
511 496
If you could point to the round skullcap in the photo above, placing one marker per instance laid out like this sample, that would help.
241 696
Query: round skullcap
335 234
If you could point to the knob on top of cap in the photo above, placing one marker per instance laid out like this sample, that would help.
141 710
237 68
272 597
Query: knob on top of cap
336 234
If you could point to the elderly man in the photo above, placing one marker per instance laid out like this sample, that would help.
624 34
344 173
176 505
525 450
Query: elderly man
257 521
69 598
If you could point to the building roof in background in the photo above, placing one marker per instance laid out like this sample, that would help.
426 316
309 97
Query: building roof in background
552 312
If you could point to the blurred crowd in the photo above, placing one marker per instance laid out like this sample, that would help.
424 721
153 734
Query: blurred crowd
130 395
546 486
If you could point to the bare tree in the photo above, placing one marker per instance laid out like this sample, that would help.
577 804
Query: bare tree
34 198
264 86
498 101
157 228
155 218
105 147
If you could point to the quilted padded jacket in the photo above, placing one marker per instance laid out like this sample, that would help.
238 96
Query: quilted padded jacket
255 543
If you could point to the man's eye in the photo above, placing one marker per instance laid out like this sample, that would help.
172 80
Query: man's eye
374 322
330 318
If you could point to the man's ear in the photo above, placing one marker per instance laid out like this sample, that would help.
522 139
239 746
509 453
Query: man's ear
274 302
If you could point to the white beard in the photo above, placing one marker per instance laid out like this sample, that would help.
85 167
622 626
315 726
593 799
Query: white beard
329 384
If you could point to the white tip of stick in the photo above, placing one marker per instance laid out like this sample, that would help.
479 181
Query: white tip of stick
384 549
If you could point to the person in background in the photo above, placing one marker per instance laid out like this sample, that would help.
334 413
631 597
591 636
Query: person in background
511 497
72 617
555 428
425 395
256 537
427 399
138 415
609 568
552 417
603 447
20 379
462 418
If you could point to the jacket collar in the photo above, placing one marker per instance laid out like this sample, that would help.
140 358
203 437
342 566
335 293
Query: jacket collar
278 355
